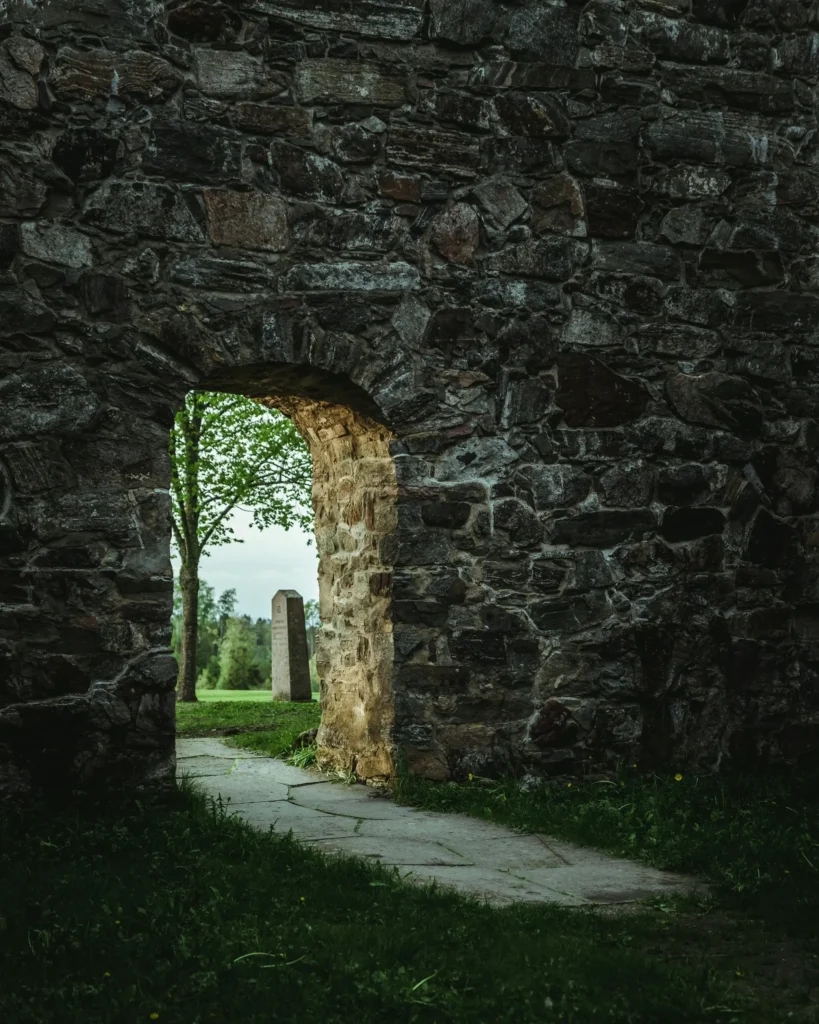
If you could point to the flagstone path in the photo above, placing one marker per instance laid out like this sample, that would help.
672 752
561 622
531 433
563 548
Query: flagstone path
476 857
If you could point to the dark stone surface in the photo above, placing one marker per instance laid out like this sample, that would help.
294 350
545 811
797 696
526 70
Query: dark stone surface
682 524
560 257
592 395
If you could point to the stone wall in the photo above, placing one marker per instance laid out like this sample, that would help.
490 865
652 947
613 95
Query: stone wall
552 269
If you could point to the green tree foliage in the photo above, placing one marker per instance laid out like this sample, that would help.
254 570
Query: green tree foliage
223 640
237 657
228 453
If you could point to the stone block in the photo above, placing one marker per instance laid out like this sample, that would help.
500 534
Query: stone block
180 152
434 150
687 524
473 646
22 188
745 90
613 209
643 258
251 220
270 119
153 210
527 401
778 311
52 398
518 520
529 75
234 75
605 144
460 108
501 201
554 486
544 32
717 137
530 116
456 233
351 143
520 155
555 259
630 485
592 395
465 22
517 295
56 244
604 529
717 400
306 175
86 74
85 154
201 21
559 207
385 19
569 615
222 275
680 40
342 230
347 81
358 277
17 85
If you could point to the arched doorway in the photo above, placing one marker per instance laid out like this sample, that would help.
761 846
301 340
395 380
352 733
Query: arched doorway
355 519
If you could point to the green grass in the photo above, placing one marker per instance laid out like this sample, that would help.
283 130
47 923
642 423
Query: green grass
222 695
754 836
268 726
176 913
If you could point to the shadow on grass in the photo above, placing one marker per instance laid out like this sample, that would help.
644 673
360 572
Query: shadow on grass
174 911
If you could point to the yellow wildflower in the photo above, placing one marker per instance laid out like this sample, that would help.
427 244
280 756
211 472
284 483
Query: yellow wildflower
470 776
678 777
107 974
153 1016
568 785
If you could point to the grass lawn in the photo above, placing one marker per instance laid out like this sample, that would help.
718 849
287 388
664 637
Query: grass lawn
754 836
172 912
268 726
223 695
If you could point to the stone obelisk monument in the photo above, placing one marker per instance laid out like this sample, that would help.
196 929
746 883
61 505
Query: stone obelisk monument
291 665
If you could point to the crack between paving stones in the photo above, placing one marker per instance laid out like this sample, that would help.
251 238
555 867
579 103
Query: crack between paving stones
549 848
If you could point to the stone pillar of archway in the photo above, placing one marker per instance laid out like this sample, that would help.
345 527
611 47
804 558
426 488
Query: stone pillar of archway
354 500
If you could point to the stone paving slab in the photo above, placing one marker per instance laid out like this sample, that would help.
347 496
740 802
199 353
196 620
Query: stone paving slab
478 858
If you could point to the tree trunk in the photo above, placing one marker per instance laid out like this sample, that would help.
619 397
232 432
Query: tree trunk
189 585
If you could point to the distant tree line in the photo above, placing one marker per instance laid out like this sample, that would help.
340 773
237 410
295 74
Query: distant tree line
232 651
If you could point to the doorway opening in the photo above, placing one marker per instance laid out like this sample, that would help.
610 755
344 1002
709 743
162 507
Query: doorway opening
352 494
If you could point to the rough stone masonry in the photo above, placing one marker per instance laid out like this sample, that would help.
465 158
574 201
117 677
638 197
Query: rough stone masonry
539 282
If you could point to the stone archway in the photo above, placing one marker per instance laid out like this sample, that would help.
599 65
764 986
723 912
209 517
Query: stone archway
566 250
355 519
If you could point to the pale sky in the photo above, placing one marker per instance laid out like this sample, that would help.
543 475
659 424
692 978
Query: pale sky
267 561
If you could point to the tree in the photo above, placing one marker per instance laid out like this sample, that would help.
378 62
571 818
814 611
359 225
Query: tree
228 453
237 656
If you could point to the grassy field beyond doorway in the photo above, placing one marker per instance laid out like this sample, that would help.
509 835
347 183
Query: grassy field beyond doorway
212 696
248 719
